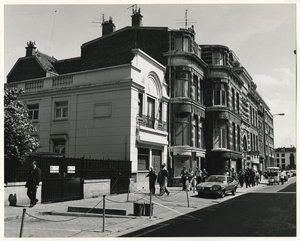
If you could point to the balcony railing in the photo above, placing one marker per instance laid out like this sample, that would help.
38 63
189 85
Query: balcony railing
34 85
151 122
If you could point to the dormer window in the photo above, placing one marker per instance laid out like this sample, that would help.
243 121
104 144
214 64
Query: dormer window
218 58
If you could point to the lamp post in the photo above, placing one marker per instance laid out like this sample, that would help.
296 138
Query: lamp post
278 114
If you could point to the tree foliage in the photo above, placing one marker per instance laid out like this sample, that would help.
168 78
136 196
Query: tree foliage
18 128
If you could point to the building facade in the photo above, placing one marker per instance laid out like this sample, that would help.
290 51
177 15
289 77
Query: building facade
150 95
285 157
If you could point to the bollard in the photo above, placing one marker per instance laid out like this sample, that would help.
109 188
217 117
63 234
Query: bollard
187 196
128 190
103 213
22 222
150 204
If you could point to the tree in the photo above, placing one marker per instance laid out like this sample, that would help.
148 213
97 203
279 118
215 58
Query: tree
18 128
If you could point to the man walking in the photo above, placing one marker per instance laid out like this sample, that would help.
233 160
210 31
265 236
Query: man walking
32 183
163 180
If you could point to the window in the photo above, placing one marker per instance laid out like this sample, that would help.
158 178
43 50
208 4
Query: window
219 134
277 155
59 146
61 110
233 98
238 138
237 102
218 58
182 84
160 112
140 104
143 159
233 136
196 131
182 130
201 92
33 111
282 154
219 94
172 42
151 105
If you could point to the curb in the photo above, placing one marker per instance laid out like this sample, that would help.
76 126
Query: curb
93 215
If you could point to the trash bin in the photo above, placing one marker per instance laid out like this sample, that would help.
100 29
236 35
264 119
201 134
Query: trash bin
138 209
147 209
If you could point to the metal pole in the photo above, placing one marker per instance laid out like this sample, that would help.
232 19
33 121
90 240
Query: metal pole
150 204
22 222
103 213
128 190
187 196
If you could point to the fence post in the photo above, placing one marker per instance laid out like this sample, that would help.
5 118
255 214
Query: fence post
187 196
103 229
22 222
150 203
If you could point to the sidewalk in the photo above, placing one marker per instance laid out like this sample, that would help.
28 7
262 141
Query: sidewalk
164 207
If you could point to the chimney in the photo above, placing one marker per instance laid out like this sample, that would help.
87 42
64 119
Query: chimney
30 49
108 26
136 17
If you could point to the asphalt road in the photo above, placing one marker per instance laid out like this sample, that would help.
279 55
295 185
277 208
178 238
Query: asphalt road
270 212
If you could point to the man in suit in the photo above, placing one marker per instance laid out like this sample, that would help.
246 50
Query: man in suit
32 183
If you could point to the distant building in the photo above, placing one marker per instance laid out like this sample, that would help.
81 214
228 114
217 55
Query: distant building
150 95
285 157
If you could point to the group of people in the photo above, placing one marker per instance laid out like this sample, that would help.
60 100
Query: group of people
162 179
189 178
249 176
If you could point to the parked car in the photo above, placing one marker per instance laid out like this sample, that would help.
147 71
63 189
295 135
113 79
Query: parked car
286 178
293 172
218 185
289 173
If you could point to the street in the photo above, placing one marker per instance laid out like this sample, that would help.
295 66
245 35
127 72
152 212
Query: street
266 213
257 211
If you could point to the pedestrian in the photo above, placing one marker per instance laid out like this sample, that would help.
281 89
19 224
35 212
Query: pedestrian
233 174
241 177
247 177
204 175
198 174
184 175
32 183
190 178
282 177
257 177
163 180
260 174
152 179
252 177
227 172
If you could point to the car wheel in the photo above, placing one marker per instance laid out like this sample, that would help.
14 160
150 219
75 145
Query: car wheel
233 191
223 193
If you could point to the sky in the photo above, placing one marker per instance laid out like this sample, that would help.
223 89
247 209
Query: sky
263 36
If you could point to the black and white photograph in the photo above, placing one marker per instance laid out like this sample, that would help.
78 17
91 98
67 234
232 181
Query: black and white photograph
150 120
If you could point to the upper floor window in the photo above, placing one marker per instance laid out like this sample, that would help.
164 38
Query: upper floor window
220 134
182 129
61 110
151 107
140 104
233 98
237 102
219 94
218 58
33 111
172 42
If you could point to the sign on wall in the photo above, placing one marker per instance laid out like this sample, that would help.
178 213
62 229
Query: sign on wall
54 169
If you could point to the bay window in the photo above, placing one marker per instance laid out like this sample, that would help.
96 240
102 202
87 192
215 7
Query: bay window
219 134
219 94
